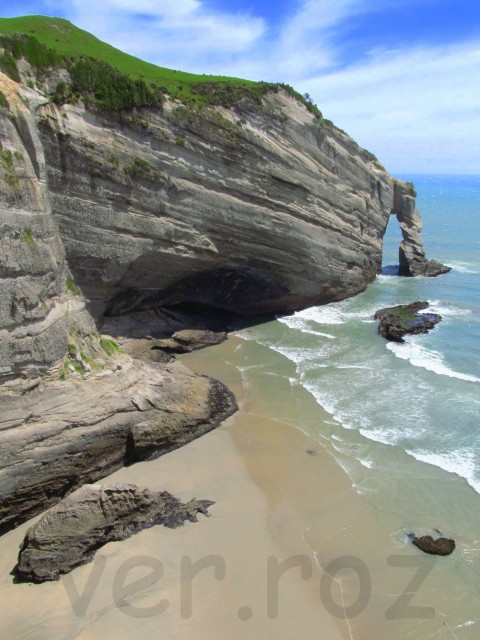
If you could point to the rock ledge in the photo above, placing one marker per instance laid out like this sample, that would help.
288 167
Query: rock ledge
69 534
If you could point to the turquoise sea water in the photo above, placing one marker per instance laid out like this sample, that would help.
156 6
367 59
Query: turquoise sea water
406 417
422 396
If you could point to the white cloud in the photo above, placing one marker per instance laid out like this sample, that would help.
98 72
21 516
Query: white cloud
417 110
157 7
180 34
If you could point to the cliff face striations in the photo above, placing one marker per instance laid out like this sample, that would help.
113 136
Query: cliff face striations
256 209
260 208
36 309
145 213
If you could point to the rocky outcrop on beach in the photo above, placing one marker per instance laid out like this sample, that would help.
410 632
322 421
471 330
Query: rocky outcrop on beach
396 322
69 534
412 259
161 334
439 547
64 433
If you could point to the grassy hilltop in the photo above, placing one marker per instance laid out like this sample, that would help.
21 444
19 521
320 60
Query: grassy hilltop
70 41
111 79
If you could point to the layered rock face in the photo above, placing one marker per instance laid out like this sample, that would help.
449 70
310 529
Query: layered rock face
68 432
73 406
37 311
255 209
411 254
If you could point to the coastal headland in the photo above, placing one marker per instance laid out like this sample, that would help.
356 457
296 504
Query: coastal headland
137 221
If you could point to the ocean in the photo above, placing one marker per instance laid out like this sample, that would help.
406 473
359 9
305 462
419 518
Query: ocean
405 418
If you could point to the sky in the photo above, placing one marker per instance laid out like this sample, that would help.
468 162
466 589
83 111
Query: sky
402 77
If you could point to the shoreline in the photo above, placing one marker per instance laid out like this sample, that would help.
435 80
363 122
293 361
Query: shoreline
319 510
250 523
278 494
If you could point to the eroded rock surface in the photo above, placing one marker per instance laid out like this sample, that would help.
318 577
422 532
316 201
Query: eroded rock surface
37 309
411 256
256 209
70 533
259 208
65 433
396 322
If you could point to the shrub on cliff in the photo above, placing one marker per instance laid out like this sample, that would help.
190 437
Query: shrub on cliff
8 66
98 83
3 101
107 89
23 46
228 94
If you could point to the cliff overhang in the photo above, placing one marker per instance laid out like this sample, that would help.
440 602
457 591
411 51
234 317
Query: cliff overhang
126 218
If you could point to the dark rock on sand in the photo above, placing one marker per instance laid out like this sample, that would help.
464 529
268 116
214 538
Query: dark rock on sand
191 339
438 547
395 322
69 534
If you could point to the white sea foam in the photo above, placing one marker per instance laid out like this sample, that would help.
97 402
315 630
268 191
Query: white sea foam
436 306
244 334
323 400
465 267
388 279
368 464
460 462
383 436
468 623
424 358
336 313
328 314
302 324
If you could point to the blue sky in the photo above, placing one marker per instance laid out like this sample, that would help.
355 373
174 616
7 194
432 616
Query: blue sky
401 76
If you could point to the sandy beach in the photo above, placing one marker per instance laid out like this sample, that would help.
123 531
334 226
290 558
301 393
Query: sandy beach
286 517
247 526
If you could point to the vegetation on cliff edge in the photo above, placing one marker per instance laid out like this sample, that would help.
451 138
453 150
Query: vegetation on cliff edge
97 68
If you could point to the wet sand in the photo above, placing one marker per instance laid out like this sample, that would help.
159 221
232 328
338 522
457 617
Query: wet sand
280 497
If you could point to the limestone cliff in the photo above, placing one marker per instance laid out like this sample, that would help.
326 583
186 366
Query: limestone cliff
255 209
37 311
258 208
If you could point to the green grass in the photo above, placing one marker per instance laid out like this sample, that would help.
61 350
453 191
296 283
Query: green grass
27 237
110 346
72 287
6 162
3 101
68 40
